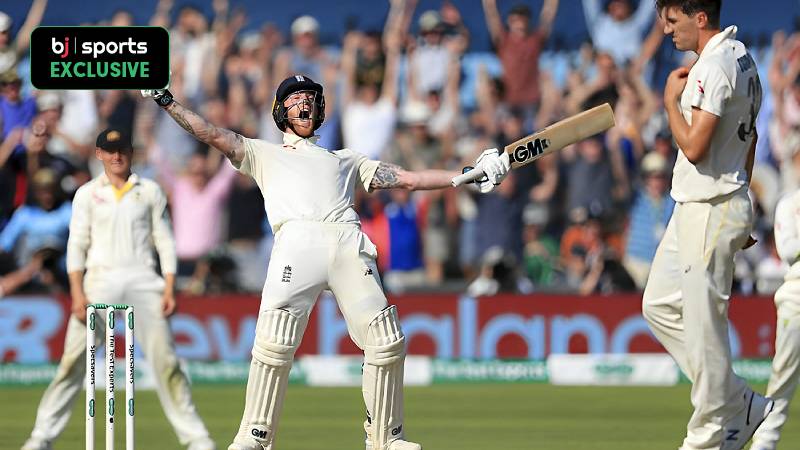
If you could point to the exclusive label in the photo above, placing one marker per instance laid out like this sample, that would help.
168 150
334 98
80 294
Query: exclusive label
99 58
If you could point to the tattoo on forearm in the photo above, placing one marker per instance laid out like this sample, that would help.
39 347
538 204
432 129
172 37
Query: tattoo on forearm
228 142
385 177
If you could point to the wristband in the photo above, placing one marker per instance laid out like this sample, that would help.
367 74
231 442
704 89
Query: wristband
164 99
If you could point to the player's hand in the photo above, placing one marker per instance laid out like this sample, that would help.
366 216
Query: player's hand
79 304
168 304
495 165
676 82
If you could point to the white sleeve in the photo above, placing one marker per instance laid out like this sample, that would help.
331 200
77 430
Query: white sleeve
366 170
787 240
712 89
250 162
162 232
80 227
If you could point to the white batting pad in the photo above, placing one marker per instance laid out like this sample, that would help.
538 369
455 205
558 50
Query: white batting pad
278 334
384 354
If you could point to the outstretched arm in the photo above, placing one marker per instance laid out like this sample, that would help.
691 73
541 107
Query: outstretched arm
391 176
229 143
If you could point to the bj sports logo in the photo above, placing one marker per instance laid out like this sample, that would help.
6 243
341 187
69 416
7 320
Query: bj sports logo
100 58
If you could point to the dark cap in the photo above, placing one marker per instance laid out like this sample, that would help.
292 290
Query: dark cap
113 139
296 83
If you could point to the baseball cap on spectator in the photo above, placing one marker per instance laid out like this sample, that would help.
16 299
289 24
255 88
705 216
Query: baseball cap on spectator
429 21
44 178
46 101
250 41
654 164
5 22
415 112
113 139
535 214
305 24
9 77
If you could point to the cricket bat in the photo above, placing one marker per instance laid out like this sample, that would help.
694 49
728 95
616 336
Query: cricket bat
555 137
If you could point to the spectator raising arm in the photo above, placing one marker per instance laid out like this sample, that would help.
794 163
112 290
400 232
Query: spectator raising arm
33 20
493 21
547 16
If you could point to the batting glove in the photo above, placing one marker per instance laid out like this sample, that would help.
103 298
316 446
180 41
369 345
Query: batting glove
495 165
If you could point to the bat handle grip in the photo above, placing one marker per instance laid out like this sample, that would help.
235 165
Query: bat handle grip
468 177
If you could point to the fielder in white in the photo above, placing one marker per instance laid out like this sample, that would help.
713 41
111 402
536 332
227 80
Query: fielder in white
117 220
786 363
712 109
309 197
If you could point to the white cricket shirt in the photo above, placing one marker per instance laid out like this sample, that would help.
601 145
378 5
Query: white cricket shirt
787 233
114 229
303 181
724 81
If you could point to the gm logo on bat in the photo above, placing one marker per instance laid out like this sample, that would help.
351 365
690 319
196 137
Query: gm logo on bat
530 150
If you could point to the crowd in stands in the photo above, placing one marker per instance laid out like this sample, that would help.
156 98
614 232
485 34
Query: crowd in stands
585 220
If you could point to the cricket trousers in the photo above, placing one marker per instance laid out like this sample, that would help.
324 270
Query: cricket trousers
307 258
143 289
785 365
686 305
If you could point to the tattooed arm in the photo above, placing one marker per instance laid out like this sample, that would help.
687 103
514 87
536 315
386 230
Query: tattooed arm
390 176
229 143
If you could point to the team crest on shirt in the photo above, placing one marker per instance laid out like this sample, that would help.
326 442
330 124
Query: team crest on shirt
700 87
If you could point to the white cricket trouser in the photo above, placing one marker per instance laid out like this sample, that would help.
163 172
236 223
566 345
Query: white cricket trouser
309 257
686 305
143 289
785 364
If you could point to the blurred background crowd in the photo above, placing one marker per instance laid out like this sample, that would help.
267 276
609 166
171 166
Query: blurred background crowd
417 91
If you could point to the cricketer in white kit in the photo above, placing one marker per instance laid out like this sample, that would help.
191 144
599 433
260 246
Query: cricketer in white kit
309 198
786 363
712 109
117 220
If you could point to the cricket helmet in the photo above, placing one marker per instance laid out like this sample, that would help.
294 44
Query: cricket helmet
294 84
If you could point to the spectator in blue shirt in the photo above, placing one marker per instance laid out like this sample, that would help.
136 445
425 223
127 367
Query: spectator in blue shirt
619 30
405 243
15 110
650 213
43 225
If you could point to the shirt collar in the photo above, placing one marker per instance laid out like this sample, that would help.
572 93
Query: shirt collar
133 179
727 33
293 139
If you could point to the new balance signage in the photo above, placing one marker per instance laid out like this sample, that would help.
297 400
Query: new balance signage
443 326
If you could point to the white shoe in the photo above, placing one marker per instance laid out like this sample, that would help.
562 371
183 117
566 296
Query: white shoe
738 431
404 445
398 444
250 444
202 444
36 444
253 446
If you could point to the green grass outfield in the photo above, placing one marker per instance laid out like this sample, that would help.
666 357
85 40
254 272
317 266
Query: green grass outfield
441 417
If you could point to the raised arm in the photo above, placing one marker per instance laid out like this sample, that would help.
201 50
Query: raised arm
33 20
643 15
391 176
493 20
546 17
229 143
592 12
389 88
